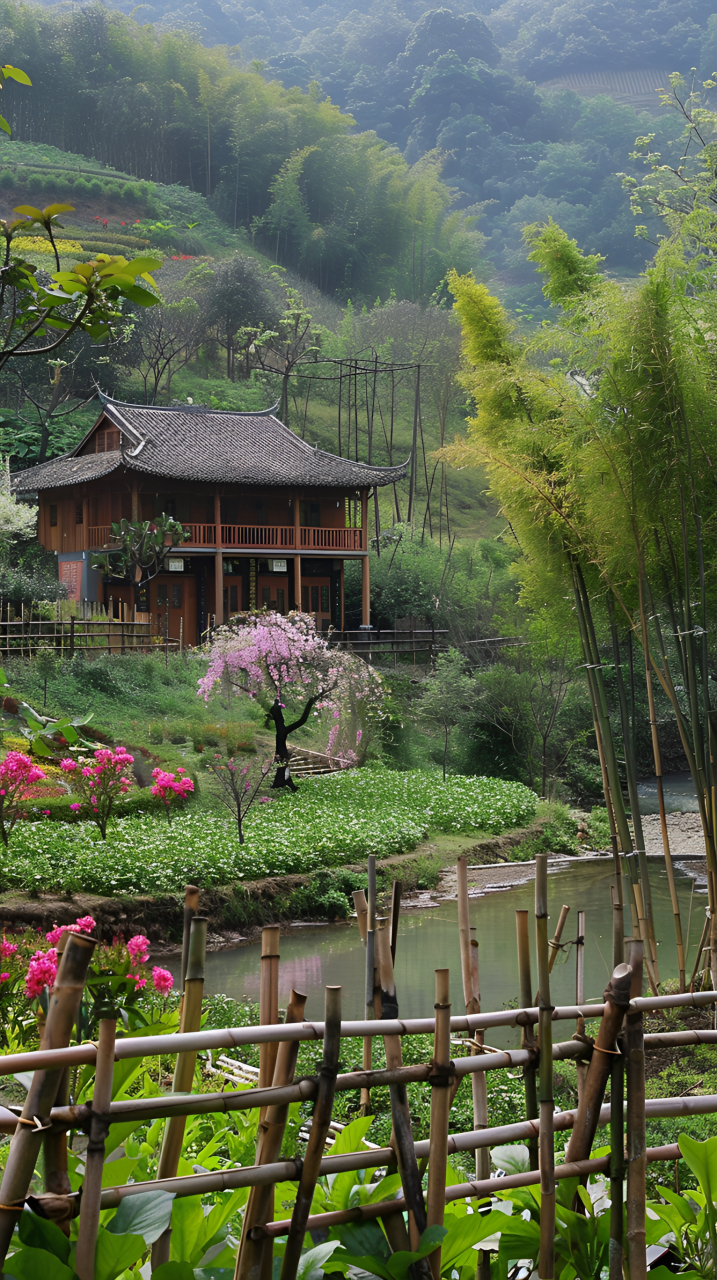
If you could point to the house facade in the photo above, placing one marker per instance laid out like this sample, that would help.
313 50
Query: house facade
271 519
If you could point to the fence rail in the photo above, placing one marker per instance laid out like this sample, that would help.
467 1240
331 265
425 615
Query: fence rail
24 637
258 537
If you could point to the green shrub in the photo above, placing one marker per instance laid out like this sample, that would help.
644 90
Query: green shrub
96 187
7 179
599 829
130 191
81 187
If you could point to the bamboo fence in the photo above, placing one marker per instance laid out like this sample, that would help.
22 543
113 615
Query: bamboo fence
617 1052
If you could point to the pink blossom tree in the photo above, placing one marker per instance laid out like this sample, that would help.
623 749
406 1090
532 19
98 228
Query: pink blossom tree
99 783
281 660
17 773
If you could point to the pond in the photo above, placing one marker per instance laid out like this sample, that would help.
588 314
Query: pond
678 789
314 956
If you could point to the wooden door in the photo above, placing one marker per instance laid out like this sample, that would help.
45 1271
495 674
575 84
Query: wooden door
272 592
316 600
175 595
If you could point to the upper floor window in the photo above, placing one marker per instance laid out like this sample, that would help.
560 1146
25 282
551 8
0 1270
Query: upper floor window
107 441
79 518
310 514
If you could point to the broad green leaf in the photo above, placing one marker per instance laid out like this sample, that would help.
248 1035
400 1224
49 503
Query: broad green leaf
141 296
52 210
147 1215
29 211
312 1263
14 73
702 1160
115 1253
39 1233
189 1235
680 1203
174 1271
38 1264
386 1189
116 1173
661 1273
463 1233
221 1212
138 266
352 1137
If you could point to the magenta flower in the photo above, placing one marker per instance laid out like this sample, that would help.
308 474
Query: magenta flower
138 948
7 949
4 977
86 924
163 980
41 972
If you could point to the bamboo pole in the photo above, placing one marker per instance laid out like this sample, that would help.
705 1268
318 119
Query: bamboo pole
62 1014
367 1053
268 999
471 996
440 1114
191 909
361 906
636 1161
617 1167
527 1036
184 1068
54 1143
250 1257
701 946
617 997
92 1182
319 1129
554 943
401 1131
581 1066
546 1264
396 895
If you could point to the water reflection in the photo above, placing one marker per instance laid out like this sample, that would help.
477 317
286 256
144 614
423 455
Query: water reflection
314 957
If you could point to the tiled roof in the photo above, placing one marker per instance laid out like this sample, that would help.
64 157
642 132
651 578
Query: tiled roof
193 443
68 469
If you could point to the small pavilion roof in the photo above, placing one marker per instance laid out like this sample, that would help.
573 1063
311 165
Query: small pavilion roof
189 442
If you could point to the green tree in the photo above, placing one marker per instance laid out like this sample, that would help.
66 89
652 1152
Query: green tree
446 699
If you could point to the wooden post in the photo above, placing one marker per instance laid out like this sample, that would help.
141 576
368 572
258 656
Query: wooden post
72 636
636 1159
184 1068
62 1014
546 1264
581 1067
617 1167
92 1182
554 943
396 893
440 1114
367 1054
317 1137
617 998
166 635
218 562
181 634
361 906
268 1000
254 1247
135 500
365 565
297 551
527 1036
343 607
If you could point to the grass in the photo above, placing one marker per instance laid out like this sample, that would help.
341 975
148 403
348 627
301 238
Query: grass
333 820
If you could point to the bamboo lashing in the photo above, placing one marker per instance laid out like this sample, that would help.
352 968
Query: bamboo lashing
269 998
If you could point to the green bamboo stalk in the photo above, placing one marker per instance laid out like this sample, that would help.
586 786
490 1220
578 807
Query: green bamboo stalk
636 1148
617 1166
527 1035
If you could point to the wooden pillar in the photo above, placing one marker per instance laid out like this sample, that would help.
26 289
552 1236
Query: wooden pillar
343 609
135 500
218 563
297 557
85 525
365 570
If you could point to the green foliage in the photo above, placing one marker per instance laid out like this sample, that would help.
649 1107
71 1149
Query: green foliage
333 819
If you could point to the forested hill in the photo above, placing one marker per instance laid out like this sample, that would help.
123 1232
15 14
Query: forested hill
343 145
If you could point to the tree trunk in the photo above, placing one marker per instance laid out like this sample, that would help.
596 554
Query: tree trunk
281 754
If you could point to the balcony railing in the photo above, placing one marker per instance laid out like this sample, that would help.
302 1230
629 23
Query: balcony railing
255 537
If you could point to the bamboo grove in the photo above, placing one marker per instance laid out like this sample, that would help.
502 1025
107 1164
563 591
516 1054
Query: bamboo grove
599 434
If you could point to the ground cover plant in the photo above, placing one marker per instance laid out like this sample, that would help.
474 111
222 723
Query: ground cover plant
332 820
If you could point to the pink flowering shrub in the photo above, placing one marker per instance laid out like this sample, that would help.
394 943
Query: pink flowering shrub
138 948
162 980
41 972
17 774
99 783
171 789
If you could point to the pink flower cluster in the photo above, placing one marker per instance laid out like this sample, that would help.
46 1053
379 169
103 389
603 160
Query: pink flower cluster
167 785
41 972
83 924
18 770
138 948
163 980
99 782
7 949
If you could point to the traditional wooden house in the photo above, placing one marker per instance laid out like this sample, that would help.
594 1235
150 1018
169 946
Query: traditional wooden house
271 519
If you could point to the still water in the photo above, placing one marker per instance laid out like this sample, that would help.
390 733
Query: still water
679 792
313 957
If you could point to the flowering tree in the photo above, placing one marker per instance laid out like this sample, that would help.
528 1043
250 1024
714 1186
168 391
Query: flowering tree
238 786
278 660
171 789
99 783
17 773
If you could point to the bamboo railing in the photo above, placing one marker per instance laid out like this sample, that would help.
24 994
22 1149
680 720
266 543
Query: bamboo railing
620 1039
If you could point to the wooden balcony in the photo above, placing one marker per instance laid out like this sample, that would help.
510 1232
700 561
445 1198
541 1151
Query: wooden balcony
253 537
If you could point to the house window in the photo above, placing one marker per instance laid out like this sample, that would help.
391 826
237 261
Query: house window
78 513
265 598
161 595
231 599
280 606
314 599
305 600
310 514
107 441
53 515
324 599
176 595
